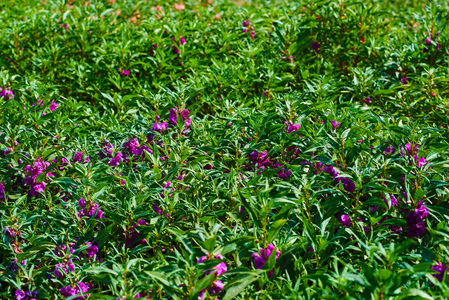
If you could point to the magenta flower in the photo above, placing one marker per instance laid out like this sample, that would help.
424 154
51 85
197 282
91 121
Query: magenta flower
124 73
92 250
293 128
260 258
21 295
348 184
284 174
133 238
335 125
79 288
78 157
345 221
6 94
420 162
2 191
53 105
61 269
404 80
182 40
367 100
440 268
32 172
389 150
217 286
116 160
415 220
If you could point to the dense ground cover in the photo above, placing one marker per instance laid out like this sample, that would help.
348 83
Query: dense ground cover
216 149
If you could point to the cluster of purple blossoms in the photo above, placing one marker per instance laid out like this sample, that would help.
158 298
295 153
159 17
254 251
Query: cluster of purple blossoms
217 285
292 127
13 266
115 161
412 152
335 125
132 148
53 105
21 295
245 26
348 184
259 160
90 210
63 268
32 172
428 42
175 49
79 288
131 237
184 114
107 150
6 94
440 268
261 257
2 191
79 158
61 250
415 220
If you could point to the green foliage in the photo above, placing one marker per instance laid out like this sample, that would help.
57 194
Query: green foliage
224 149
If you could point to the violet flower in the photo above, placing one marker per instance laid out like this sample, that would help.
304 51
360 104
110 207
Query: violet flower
261 257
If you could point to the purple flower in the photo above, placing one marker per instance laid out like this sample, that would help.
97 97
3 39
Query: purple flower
159 127
79 288
415 220
124 73
78 157
220 269
260 258
293 127
6 94
32 172
2 191
420 162
367 100
182 40
389 150
116 160
53 105
335 125
174 113
92 250
245 23
345 221
330 170
63 267
404 80
133 238
348 184
21 295
284 174
315 46
440 268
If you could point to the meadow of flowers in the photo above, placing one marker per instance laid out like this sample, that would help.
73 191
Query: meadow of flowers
212 149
